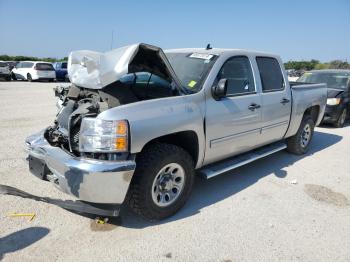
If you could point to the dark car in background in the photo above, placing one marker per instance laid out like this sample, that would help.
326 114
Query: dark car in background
5 71
338 97
61 71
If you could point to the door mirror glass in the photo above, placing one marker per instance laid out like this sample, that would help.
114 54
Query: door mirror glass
220 90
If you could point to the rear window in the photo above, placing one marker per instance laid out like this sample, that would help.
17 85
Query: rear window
2 64
64 65
44 66
270 74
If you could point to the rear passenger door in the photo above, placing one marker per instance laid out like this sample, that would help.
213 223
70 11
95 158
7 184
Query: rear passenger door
276 100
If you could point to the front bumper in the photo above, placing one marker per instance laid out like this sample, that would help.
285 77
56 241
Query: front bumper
43 75
332 113
94 181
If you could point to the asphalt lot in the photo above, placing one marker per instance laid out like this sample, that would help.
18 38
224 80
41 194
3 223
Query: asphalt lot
280 208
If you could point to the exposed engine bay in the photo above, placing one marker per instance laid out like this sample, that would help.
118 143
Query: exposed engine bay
75 103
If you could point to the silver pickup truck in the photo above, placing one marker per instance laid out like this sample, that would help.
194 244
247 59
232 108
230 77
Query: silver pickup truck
138 123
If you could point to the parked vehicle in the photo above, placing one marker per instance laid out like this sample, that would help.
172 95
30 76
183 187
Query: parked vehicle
5 71
136 123
11 64
61 71
30 71
338 85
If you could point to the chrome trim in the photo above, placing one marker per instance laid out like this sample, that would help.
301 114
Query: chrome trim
208 172
264 128
218 141
91 180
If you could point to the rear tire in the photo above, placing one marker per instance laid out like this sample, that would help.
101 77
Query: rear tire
341 119
29 78
300 142
153 198
8 78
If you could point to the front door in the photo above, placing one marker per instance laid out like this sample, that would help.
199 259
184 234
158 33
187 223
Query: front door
233 123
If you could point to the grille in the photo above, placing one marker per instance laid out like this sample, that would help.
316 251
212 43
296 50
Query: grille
74 136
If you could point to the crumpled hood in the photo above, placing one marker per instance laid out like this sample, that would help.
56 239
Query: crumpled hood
95 70
333 92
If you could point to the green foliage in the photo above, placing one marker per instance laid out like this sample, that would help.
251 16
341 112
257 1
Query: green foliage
31 58
315 64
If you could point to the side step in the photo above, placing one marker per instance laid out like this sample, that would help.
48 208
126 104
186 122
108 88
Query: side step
215 169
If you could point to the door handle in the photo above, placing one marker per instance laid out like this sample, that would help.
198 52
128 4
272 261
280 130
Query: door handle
285 101
253 106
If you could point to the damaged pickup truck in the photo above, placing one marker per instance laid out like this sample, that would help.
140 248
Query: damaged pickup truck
137 123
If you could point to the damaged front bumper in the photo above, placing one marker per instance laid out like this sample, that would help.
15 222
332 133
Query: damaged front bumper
90 180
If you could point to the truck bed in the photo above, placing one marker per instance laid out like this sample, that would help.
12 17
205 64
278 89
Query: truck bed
305 96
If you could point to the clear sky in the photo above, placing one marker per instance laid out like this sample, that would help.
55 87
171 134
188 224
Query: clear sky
297 29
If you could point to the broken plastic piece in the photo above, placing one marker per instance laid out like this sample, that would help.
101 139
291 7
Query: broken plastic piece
31 215
101 220
294 182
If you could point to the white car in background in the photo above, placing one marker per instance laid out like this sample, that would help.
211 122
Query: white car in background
28 70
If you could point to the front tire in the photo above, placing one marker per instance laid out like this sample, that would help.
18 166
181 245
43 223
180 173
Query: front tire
29 78
341 119
300 142
162 182
14 78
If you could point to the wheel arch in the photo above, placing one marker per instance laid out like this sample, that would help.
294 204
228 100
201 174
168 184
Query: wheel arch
313 111
187 140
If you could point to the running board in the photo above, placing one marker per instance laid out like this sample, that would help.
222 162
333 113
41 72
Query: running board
215 169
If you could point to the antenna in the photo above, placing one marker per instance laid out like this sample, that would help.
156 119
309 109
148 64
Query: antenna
112 39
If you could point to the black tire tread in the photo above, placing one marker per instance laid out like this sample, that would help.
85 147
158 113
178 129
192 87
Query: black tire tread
293 143
338 124
145 161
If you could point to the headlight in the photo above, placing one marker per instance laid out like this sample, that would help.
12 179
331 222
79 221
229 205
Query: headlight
97 135
333 101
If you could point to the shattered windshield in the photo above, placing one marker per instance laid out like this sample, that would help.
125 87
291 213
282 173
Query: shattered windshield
191 68
333 80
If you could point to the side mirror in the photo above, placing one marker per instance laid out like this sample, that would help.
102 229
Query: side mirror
220 90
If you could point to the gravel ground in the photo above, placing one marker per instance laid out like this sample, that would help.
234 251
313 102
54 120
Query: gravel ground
280 208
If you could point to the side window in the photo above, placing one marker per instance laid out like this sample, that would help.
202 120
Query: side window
270 74
27 65
238 72
19 65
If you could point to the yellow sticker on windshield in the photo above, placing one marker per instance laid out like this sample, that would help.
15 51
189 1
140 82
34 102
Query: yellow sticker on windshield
192 83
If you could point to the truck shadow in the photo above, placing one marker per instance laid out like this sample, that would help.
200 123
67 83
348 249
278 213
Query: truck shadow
21 239
208 192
